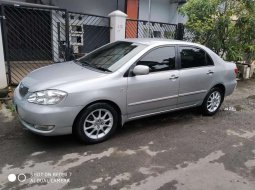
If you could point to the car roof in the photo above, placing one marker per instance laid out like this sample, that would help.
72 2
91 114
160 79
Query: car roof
157 41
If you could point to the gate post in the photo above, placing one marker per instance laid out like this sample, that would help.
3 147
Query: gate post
3 79
118 25
180 31
67 28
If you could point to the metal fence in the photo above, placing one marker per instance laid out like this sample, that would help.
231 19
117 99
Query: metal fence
145 29
87 32
36 37
188 35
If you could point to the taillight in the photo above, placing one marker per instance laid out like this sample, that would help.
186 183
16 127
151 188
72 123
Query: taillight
236 71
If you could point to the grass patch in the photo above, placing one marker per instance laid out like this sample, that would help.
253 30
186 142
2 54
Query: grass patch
10 106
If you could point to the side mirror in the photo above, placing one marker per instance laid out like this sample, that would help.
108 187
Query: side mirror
141 70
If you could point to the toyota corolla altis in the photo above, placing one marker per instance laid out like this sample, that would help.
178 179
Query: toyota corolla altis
122 81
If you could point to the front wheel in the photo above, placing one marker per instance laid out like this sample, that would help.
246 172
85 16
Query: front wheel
212 102
96 123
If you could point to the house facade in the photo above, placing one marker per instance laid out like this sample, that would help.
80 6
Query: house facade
165 11
158 11
155 10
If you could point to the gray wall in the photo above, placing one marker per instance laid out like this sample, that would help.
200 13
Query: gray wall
161 11
97 7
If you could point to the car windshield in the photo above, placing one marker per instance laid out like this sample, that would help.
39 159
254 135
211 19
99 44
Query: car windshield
110 57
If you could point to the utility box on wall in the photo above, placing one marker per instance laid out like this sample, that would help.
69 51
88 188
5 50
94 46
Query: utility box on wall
76 37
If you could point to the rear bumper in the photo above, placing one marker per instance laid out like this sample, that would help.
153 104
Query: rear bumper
230 87
32 115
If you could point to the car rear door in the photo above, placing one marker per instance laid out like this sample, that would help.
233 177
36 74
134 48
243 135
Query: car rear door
158 90
196 75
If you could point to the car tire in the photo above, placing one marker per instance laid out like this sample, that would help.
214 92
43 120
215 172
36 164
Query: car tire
212 102
96 123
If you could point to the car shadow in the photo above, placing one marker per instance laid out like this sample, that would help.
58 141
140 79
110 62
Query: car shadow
159 121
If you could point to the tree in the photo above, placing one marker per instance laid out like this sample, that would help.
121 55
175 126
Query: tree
225 26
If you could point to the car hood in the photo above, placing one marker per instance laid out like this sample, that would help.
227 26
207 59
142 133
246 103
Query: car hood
58 74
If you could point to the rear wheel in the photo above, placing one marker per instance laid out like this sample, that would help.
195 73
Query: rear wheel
96 123
212 101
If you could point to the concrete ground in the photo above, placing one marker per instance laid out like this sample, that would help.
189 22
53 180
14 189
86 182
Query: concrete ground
181 150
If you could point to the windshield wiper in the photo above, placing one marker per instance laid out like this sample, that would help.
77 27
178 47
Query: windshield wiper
103 69
85 63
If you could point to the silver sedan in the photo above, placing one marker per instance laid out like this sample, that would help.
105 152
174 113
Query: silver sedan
119 82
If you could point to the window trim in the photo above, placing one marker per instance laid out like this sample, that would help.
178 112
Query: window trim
207 55
192 46
129 72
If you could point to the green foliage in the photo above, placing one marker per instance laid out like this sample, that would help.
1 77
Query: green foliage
226 26
169 34
11 107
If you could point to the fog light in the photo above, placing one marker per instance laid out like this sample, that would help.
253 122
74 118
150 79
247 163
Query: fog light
44 127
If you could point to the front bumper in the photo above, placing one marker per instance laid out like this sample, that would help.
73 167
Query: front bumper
32 115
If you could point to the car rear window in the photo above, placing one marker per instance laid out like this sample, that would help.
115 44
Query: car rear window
194 57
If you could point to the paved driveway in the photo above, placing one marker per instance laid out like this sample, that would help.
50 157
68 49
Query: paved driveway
182 150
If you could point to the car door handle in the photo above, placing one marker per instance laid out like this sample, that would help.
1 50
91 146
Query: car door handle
173 77
209 72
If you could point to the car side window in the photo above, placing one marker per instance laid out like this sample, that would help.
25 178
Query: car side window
194 57
160 59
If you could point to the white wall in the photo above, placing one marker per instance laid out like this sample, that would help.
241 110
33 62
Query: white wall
175 17
161 11
3 79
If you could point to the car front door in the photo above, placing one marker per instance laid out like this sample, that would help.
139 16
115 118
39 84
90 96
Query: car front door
158 90
196 75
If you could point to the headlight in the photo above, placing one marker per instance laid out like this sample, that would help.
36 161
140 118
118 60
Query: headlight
46 97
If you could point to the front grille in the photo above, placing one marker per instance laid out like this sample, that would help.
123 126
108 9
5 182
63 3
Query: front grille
23 90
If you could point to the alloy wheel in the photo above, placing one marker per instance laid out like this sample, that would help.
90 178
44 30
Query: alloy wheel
213 101
98 123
